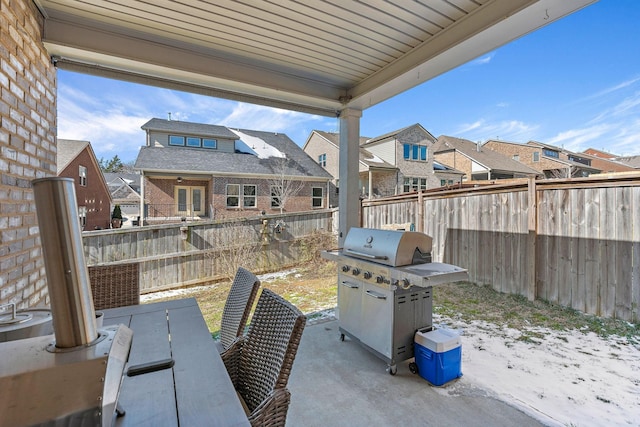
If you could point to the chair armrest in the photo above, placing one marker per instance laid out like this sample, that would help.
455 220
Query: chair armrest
273 410
231 359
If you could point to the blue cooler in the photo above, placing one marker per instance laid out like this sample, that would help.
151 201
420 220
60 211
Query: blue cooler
438 355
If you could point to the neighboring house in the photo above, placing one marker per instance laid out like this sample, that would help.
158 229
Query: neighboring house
569 164
390 164
76 160
550 161
478 162
377 177
409 149
631 161
125 191
599 153
193 170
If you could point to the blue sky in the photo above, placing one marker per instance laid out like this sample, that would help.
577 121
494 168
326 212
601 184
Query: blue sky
574 83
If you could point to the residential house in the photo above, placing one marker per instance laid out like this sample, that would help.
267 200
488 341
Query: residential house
631 161
568 163
552 162
125 191
477 161
194 170
377 177
76 160
599 153
396 162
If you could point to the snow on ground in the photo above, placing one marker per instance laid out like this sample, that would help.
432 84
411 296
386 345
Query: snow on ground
561 378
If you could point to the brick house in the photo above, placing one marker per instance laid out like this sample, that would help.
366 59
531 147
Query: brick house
477 161
396 162
551 161
76 160
608 162
200 171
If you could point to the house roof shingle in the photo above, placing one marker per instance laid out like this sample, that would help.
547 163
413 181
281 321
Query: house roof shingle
68 149
205 161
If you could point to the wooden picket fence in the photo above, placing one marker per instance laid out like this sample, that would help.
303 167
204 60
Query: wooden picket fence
573 242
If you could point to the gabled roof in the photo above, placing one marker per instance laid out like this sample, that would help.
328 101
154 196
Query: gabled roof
396 133
204 161
365 157
488 158
633 161
68 150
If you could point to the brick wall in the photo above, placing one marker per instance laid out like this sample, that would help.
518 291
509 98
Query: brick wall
27 143
94 196
455 160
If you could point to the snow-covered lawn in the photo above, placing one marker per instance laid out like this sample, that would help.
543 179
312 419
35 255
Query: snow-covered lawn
563 378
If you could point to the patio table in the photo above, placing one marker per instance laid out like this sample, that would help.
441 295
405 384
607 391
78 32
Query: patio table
196 390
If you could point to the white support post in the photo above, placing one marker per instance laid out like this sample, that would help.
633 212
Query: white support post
348 201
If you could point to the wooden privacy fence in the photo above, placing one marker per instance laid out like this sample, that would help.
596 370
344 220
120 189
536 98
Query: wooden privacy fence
573 242
175 255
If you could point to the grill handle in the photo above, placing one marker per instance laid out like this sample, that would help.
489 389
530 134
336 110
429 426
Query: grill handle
376 295
349 285
366 255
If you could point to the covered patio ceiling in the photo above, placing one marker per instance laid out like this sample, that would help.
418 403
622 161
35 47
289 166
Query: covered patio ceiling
316 56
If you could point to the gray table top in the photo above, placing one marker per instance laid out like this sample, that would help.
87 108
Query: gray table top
196 391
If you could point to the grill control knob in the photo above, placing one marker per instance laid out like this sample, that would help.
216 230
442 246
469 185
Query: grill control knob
405 284
346 268
380 279
367 275
355 271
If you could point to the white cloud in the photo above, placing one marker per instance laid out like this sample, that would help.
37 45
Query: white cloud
485 59
511 130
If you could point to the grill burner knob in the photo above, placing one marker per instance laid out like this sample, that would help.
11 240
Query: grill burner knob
355 271
405 284
379 279
345 268
367 275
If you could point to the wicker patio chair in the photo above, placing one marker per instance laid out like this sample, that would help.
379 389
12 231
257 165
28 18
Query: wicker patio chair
237 308
260 363
115 285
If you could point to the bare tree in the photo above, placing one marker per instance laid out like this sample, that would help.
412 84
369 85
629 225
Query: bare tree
236 242
283 185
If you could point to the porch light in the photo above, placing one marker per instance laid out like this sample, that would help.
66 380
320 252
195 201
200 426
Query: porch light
179 179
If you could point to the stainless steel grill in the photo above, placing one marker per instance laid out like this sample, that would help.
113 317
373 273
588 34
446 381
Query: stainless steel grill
385 281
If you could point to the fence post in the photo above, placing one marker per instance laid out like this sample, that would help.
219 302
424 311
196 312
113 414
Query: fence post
420 225
532 225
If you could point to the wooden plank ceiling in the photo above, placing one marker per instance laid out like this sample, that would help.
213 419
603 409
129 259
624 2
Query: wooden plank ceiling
317 56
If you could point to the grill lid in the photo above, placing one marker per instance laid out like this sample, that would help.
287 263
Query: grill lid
388 247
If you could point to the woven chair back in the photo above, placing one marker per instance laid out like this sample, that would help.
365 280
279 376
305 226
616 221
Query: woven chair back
238 306
270 348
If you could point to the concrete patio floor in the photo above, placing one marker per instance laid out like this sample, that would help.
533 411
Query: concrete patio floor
335 383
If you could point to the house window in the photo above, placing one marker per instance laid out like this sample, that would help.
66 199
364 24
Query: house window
317 197
193 142
189 200
82 172
415 152
275 196
176 140
415 184
82 215
209 143
443 182
536 156
516 157
322 160
550 153
233 195
249 196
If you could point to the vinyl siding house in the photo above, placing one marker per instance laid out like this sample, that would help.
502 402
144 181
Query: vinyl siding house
477 161
200 171
377 177
76 160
